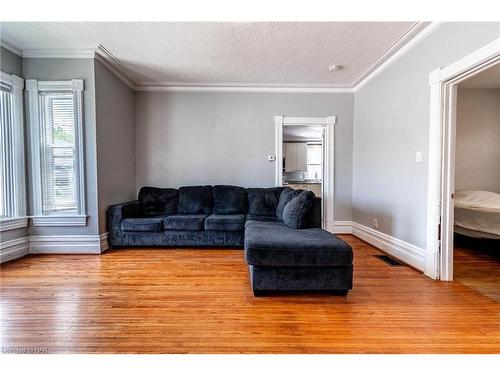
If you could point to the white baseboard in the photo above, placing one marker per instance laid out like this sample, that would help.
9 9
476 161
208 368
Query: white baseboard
70 244
343 227
408 253
14 249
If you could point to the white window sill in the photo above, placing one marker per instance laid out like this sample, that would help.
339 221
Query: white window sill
12 223
60 221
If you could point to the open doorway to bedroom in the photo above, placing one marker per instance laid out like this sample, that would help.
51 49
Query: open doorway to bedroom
476 239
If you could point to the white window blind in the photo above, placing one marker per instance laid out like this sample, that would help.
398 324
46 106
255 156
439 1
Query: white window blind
6 162
314 161
58 153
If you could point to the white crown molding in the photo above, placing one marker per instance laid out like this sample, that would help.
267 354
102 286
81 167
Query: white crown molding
49 52
11 43
396 54
388 52
113 67
197 87
400 47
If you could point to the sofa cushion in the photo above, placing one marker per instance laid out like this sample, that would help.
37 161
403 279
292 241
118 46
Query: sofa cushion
261 218
156 201
142 224
228 223
185 222
286 196
275 244
229 200
296 211
195 200
263 201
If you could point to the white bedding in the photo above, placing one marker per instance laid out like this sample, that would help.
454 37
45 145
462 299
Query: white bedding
477 213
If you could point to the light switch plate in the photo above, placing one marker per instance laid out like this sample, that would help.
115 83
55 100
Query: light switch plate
418 157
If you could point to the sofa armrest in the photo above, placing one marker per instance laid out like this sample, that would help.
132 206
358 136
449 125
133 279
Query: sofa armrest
116 213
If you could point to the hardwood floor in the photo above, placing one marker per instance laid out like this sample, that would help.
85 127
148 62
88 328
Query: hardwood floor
200 301
476 264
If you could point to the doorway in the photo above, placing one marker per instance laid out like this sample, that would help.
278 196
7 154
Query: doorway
444 84
305 159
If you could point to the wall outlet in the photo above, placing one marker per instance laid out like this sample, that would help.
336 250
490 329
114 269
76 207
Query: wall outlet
375 223
271 158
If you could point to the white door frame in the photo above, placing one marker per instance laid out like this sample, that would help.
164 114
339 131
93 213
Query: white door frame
328 163
441 175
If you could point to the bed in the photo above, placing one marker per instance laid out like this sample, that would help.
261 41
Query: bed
477 214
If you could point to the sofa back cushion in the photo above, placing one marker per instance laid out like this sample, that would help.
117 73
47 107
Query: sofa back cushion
296 212
156 201
230 200
263 201
195 200
286 196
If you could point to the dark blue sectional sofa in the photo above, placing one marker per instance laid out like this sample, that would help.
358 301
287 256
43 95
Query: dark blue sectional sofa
279 228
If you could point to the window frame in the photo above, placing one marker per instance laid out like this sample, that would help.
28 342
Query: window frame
308 144
34 87
16 170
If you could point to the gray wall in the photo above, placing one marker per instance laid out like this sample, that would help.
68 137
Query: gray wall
391 123
224 138
477 161
115 141
63 69
10 62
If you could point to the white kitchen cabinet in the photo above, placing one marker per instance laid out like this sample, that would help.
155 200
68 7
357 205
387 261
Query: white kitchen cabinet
295 156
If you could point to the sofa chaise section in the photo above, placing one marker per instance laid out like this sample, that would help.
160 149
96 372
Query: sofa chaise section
284 259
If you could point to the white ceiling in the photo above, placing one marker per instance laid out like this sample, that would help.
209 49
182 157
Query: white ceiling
487 79
289 54
305 133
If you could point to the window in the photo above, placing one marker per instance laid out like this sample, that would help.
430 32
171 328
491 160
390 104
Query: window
57 155
12 179
314 164
5 127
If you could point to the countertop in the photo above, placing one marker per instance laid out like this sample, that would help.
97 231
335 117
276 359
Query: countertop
301 183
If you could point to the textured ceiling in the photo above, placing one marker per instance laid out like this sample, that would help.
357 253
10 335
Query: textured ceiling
218 53
487 79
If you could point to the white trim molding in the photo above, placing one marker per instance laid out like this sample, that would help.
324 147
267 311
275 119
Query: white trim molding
51 51
34 87
343 227
11 43
328 190
65 244
224 87
416 33
407 253
14 249
69 244
12 223
442 124
13 156
60 221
